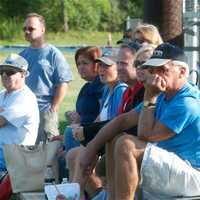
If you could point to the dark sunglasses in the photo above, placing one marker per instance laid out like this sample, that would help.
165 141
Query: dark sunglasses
29 28
140 41
138 63
8 73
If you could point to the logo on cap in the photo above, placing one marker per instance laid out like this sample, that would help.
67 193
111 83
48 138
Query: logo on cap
158 53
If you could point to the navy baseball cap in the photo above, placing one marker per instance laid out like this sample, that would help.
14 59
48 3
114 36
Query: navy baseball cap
123 41
134 45
164 53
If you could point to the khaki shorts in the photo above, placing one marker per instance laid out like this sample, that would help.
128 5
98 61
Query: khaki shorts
48 126
164 173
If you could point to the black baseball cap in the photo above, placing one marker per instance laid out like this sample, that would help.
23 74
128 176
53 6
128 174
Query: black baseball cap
164 53
134 45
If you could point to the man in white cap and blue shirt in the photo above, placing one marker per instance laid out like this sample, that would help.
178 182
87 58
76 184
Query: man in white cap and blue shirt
19 114
164 159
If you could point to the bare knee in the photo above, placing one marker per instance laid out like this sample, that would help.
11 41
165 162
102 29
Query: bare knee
73 154
124 144
128 144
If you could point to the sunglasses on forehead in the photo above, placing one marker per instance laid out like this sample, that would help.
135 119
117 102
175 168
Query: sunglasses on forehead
28 28
8 73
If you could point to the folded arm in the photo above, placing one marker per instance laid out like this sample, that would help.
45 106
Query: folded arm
113 128
149 128
3 121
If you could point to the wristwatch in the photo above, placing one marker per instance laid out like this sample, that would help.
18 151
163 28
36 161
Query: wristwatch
147 104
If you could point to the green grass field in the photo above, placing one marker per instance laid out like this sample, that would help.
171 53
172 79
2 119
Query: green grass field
73 38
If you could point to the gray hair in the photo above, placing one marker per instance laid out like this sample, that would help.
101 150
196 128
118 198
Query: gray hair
182 64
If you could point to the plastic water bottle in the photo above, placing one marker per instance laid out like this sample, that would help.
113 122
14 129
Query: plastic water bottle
49 178
64 180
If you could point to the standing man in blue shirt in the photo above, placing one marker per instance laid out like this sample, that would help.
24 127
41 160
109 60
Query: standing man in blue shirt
49 74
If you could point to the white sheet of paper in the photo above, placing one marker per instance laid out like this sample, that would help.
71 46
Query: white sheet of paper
70 190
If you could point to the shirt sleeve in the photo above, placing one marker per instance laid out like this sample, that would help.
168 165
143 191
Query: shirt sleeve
15 115
117 100
179 115
17 110
138 108
63 72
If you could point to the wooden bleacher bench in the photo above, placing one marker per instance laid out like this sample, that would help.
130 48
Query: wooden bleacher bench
148 196
186 198
31 196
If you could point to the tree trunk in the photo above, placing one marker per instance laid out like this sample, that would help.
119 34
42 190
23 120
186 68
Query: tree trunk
167 16
64 16
153 12
171 27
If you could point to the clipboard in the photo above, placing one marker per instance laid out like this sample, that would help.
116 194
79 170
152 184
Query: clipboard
70 190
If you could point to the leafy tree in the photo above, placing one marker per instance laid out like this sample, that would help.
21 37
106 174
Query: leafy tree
106 15
132 8
83 14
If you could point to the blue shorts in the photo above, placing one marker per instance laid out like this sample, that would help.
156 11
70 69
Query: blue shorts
69 140
2 161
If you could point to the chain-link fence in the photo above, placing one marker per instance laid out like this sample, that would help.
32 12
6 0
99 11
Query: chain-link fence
191 28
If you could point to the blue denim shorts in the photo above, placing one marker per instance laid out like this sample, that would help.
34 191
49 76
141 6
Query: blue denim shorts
69 140
2 160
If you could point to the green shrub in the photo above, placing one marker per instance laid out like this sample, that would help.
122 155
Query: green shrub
82 15
9 29
93 15
87 15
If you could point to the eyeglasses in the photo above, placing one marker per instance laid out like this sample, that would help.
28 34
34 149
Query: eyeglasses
8 73
29 28
140 41
138 63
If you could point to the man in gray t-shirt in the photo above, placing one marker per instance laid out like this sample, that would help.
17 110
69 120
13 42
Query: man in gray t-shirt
49 74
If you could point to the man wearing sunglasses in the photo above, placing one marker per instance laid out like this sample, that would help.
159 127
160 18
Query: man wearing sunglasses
49 74
19 114
164 159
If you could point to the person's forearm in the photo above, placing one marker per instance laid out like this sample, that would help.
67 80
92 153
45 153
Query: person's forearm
146 122
110 130
59 96
147 118
91 130
3 121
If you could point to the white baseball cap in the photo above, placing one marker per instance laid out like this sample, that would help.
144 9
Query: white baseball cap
14 62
